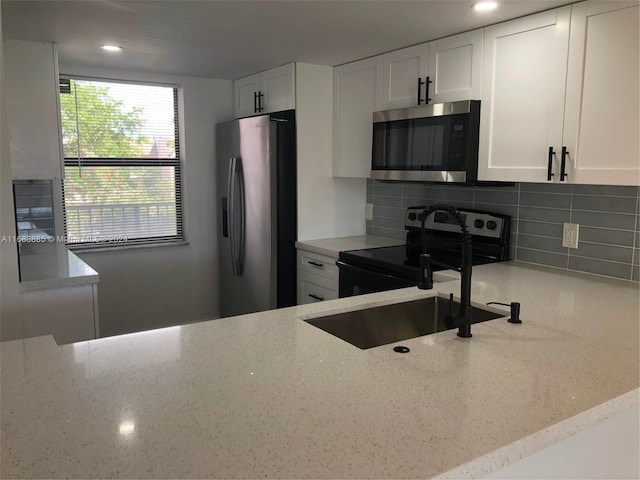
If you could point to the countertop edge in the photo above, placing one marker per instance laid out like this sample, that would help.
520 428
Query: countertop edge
509 454
83 274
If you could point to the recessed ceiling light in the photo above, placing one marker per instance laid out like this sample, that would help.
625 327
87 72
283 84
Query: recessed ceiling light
111 48
485 6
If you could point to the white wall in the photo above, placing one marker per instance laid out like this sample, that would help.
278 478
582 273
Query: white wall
144 288
327 206
10 306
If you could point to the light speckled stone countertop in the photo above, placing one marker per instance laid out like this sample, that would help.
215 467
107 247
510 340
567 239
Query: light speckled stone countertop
333 246
53 268
268 395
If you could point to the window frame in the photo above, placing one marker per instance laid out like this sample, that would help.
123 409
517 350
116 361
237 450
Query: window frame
177 163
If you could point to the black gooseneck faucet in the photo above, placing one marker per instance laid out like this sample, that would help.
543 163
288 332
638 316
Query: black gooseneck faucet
463 320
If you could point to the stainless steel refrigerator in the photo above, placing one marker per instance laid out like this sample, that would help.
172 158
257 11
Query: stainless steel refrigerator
257 228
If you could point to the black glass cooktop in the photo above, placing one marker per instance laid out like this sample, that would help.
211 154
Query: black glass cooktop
402 261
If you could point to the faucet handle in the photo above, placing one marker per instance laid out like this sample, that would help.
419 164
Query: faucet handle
426 274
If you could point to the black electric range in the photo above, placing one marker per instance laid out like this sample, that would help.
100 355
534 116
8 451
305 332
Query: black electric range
385 268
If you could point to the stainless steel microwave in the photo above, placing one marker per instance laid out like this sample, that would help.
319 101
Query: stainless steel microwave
430 143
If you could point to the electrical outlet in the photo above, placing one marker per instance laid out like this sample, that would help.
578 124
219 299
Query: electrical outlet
570 235
368 211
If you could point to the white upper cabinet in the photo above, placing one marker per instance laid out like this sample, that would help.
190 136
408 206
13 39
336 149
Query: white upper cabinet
357 93
32 98
405 76
265 92
445 70
455 68
601 114
246 95
523 91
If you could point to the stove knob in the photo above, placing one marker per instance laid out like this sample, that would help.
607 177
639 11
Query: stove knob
412 216
491 225
478 223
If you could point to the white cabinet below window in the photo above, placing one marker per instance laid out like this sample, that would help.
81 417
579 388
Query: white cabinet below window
265 92
317 277
69 313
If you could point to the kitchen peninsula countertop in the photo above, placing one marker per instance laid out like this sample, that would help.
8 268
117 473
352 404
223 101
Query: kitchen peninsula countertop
53 268
333 246
268 395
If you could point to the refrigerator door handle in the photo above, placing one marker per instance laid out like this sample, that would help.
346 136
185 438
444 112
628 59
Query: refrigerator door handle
239 176
231 209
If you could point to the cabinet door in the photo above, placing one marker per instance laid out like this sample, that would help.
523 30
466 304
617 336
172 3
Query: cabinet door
31 93
523 90
278 88
402 69
601 119
357 93
67 313
244 95
455 67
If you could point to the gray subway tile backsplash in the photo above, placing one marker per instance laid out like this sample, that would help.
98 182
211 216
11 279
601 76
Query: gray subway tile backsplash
546 187
619 221
604 252
605 235
543 229
548 200
541 257
601 267
549 215
609 237
609 190
604 204
534 242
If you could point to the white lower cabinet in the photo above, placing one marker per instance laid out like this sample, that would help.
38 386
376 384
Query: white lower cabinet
68 313
317 277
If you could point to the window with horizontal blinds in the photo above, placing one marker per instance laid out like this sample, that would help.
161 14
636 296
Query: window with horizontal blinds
122 162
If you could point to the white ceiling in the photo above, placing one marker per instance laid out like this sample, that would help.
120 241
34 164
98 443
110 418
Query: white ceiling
231 39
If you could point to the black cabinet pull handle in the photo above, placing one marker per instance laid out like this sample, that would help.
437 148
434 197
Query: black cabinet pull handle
426 85
550 164
316 264
563 163
420 83
255 102
316 297
260 107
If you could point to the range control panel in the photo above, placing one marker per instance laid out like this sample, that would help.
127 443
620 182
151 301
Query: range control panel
479 223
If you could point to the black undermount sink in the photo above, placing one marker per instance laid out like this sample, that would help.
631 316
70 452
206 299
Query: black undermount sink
375 326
